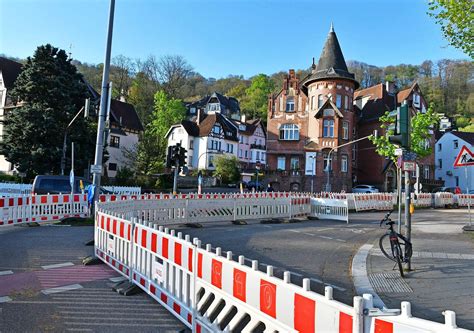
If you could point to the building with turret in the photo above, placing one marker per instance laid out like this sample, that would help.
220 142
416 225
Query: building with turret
307 120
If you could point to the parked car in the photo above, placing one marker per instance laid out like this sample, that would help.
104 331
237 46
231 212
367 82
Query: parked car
365 189
45 184
258 186
444 189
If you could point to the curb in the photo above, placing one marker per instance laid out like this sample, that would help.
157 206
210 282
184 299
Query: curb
360 278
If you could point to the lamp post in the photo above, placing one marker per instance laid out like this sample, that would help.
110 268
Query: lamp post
313 167
328 167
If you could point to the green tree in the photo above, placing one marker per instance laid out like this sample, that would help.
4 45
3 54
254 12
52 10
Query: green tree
227 168
421 125
456 18
256 102
48 92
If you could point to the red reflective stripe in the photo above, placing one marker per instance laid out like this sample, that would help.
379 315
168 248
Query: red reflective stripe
177 253
55 199
76 198
383 326
114 227
44 199
176 308
240 285
164 298
2 202
153 242
190 259
164 247
268 298
200 265
144 238
345 323
216 273
152 289
122 229
304 314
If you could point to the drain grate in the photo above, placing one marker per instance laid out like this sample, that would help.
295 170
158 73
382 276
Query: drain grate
389 283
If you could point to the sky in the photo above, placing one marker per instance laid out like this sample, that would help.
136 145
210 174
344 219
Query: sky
223 37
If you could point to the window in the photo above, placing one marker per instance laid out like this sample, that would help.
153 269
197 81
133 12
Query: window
312 103
289 132
258 156
246 154
345 130
230 148
281 162
328 128
240 153
263 156
215 145
290 104
440 146
216 129
214 107
295 163
320 101
112 166
210 162
114 141
242 127
456 145
440 163
338 101
344 163
192 110
346 102
327 162
426 172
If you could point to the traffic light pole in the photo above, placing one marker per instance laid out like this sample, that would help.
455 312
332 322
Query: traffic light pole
175 180
407 212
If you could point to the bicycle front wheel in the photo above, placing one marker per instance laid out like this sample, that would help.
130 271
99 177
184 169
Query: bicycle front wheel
386 247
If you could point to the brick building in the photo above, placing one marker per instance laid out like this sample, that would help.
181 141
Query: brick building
307 119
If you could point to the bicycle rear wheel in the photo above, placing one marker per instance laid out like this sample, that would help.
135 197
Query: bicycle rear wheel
386 247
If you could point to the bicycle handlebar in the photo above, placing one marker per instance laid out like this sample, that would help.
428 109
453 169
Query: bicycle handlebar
386 217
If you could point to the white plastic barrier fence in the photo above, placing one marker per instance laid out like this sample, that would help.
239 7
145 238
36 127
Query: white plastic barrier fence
443 199
405 322
168 210
332 209
128 190
42 208
465 199
371 201
422 199
14 190
212 292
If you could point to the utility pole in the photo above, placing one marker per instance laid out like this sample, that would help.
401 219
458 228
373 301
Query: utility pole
407 211
99 148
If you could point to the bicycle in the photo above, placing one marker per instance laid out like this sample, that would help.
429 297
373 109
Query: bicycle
391 245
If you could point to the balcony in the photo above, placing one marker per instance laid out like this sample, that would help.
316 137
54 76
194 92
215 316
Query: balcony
255 146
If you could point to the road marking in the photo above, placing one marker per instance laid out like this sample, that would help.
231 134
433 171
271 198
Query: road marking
266 226
61 289
118 279
5 299
64 264
316 280
79 329
432 255
309 234
325 237
298 232
359 275
6 272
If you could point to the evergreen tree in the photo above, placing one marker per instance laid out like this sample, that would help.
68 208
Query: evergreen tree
48 94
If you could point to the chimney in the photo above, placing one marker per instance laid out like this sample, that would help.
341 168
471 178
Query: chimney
243 118
199 115
390 87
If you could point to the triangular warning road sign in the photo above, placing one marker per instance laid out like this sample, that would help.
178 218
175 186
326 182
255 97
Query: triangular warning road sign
465 158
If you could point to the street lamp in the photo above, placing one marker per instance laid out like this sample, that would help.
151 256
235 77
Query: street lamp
313 167
328 166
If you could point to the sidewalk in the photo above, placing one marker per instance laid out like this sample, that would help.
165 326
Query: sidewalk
442 276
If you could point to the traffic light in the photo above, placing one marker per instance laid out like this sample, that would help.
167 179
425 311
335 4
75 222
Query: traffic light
182 156
169 157
175 154
401 135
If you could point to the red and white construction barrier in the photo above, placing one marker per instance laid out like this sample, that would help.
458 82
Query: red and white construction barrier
465 200
197 284
422 199
42 208
443 199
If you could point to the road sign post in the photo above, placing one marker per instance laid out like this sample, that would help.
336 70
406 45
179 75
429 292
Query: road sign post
465 159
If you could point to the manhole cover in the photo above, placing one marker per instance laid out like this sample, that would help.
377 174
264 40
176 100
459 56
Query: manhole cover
389 283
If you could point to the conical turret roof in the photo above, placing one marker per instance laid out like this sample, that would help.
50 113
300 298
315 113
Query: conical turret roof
331 63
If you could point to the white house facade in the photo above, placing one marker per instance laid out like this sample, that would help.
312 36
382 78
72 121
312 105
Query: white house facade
446 150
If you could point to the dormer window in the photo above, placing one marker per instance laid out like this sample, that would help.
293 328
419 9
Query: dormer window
192 110
214 107
242 127
216 129
290 104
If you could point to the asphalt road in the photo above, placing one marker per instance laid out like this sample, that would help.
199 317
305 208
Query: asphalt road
35 260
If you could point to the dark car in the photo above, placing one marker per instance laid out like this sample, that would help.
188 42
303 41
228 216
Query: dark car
45 184
258 186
